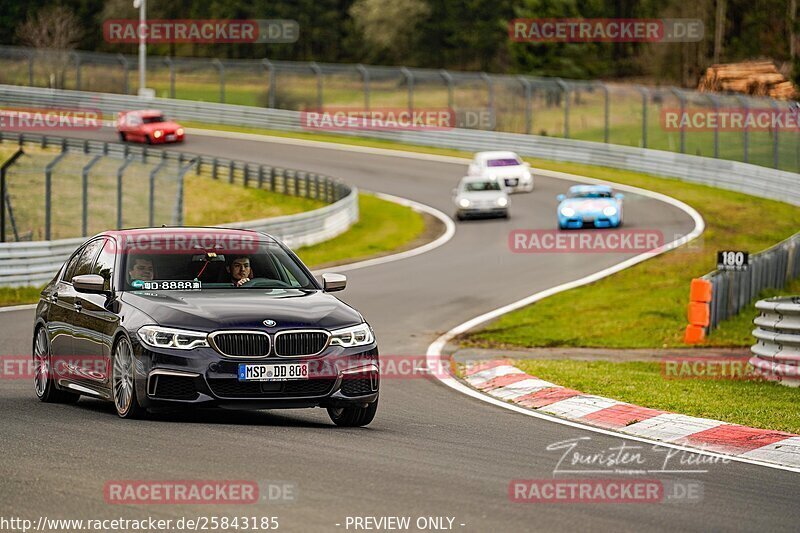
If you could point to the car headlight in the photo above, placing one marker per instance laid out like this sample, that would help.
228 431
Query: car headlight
160 337
502 202
567 211
179 131
157 134
610 211
464 202
359 335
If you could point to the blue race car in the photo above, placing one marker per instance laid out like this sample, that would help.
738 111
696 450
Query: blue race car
592 205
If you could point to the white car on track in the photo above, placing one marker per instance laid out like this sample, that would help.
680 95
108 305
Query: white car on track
477 196
506 167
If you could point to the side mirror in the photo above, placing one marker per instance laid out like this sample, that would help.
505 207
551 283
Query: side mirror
619 196
561 197
333 282
527 164
91 283
473 169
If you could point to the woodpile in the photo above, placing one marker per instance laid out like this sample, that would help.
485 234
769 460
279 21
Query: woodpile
756 78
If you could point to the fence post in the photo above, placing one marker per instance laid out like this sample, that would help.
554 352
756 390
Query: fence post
606 110
775 138
152 193
267 64
171 64
526 84
645 93
120 172
318 73
682 99
30 68
4 190
490 97
715 104
77 60
565 91
122 59
745 132
85 194
48 194
221 69
409 76
365 78
448 79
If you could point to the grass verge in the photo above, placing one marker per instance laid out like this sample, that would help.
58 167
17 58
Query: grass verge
750 403
643 306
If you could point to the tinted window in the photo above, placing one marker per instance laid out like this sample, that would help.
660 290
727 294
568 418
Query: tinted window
153 120
87 258
502 162
483 186
70 270
104 265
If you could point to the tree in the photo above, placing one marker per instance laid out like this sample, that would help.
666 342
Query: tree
388 25
53 31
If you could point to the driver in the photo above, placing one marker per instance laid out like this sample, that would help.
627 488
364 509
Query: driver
141 268
240 270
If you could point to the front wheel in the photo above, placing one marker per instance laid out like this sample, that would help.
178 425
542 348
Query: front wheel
353 416
43 382
123 381
122 136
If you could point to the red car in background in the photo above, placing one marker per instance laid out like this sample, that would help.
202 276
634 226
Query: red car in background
148 126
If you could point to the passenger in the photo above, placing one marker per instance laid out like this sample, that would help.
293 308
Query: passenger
240 270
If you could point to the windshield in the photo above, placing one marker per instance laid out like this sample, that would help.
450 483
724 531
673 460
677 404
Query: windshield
156 265
591 194
482 186
507 162
154 119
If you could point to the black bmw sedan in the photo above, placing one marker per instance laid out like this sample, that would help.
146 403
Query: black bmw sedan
201 317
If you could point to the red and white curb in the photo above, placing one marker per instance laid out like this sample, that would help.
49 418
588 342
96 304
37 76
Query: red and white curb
501 380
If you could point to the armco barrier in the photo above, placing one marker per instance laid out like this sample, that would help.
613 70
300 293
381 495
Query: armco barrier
731 175
34 263
732 290
776 353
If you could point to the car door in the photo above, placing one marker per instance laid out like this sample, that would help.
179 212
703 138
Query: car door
60 311
86 340
98 320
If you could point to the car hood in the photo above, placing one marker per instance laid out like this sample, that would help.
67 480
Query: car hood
482 195
588 205
214 309
166 127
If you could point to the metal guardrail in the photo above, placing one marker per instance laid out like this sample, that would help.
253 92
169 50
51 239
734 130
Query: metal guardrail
732 175
592 110
776 353
32 263
733 290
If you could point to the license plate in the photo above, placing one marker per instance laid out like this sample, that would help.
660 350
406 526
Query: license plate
588 219
511 183
171 137
285 372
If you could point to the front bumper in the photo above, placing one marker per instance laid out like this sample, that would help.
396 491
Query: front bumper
204 378
580 221
482 212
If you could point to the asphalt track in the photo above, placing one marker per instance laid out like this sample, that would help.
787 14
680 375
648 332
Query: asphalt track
430 451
